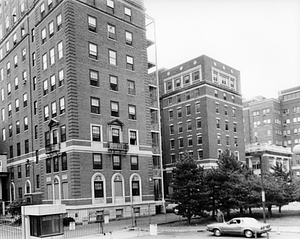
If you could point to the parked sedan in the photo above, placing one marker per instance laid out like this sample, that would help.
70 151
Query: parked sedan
246 226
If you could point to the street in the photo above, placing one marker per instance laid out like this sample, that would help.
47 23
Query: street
200 235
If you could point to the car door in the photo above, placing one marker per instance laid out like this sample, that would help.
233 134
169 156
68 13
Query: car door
233 227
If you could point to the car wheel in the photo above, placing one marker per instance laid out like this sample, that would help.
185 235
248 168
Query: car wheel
217 232
248 234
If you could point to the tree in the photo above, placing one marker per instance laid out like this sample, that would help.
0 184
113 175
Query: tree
14 208
189 187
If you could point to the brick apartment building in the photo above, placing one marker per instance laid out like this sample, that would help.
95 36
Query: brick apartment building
75 106
201 112
273 126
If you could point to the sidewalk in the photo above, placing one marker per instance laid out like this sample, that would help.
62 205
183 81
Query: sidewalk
123 229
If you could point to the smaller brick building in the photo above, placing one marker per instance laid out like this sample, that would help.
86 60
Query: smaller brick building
201 110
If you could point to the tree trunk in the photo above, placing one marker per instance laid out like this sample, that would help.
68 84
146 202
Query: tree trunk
250 210
241 211
228 213
279 209
270 211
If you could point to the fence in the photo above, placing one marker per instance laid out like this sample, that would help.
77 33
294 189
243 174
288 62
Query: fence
73 230
10 230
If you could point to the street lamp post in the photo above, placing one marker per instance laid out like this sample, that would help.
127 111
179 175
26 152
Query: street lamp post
263 198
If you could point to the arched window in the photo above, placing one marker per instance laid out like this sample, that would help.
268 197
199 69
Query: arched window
27 187
118 189
98 187
135 186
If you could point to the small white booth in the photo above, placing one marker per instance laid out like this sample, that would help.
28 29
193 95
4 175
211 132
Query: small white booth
43 221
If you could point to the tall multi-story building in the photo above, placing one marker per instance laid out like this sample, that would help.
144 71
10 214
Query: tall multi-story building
273 125
75 106
201 113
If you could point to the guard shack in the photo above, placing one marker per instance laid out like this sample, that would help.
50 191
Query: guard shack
43 221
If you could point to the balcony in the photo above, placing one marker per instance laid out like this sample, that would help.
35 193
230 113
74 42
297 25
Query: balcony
52 148
120 147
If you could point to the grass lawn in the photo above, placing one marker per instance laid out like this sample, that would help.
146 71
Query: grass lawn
288 218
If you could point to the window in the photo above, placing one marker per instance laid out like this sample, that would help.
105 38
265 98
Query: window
177 82
224 96
135 186
36 132
52 58
44 60
16 83
226 125
32 35
55 164
218 139
8 89
42 8
186 79
35 107
92 23
58 22
37 182
2 94
188 95
199 139
19 171
26 144
96 133
25 100
225 110
127 12
179 113
50 4
180 142
178 98
2 114
97 161
11 151
95 105
180 127
131 87
18 149
129 63
63 133
197 107
216 93
171 129
25 123
128 37
110 7
44 36
9 110
132 112
7 46
113 82
172 144
169 85
198 123
218 123
111 32
52 83
190 141
51 29
53 109
8 68
134 162
16 61
227 140
33 59
189 125
133 137
171 115
64 162
15 38
234 127
114 107
48 165
112 57
46 113
45 87
195 76
188 110
93 51
200 154
34 83
3 135
98 188
10 130
117 162
1 74
62 108
60 50
61 78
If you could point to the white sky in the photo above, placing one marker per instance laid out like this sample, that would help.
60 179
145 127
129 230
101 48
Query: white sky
260 38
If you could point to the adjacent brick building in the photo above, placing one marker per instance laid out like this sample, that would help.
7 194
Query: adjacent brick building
273 125
201 112
75 106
